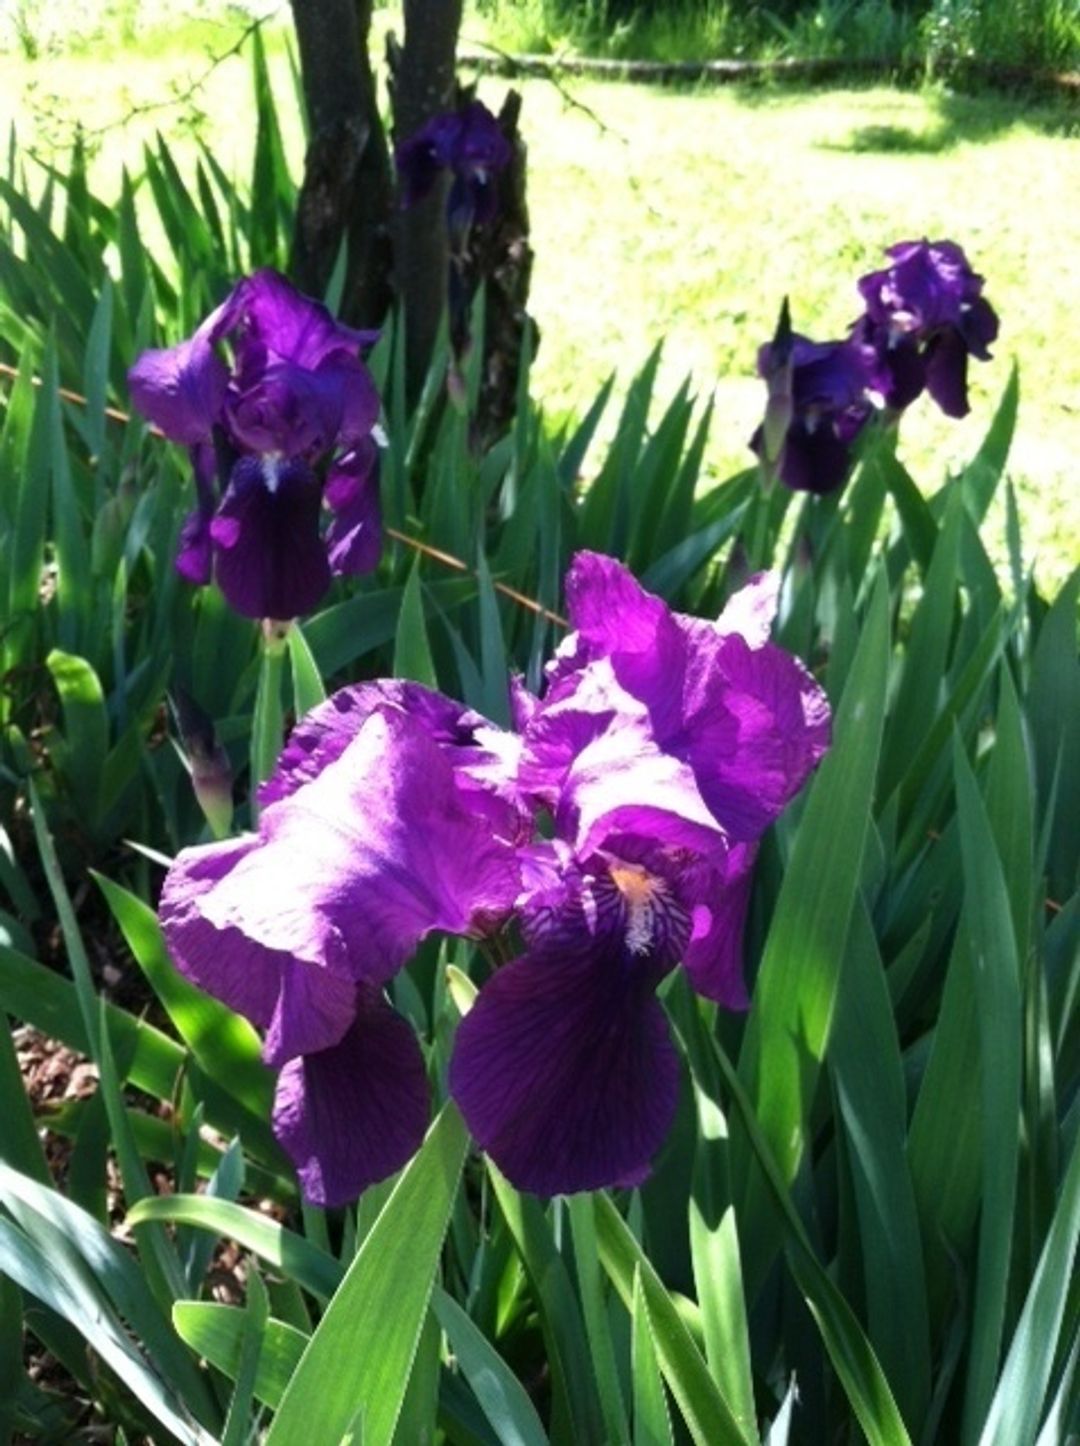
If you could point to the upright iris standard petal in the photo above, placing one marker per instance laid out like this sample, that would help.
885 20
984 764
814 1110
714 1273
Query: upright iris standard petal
741 725
356 1112
358 865
564 1068
483 758
469 144
181 388
269 560
272 313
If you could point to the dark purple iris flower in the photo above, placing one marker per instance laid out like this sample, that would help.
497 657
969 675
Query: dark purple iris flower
925 315
662 749
280 426
469 144
821 390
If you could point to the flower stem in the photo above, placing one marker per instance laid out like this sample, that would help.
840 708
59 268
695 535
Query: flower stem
267 724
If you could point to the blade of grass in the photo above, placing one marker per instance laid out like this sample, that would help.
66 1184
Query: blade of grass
308 690
216 1333
707 1415
20 1146
502 1397
1019 1399
998 1007
314 1270
849 1351
593 1308
785 1039
864 1055
159 1258
412 650
652 1424
238 1424
564 1331
357 1364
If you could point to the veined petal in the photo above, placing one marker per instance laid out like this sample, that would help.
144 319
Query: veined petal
749 612
271 312
756 739
484 758
623 782
354 1113
380 848
704 722
610 609
302 1006
564 1067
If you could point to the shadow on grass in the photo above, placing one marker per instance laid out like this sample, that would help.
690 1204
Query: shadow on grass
964 120
954 117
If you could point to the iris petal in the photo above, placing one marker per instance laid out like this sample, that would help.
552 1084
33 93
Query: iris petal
356 867
484 759
353 1114
564 1068
354 537
303 1007
269 559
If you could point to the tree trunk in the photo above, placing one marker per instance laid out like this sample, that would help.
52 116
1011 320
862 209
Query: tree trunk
347 191
423 84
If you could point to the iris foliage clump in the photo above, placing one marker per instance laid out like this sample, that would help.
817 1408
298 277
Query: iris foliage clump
496 1171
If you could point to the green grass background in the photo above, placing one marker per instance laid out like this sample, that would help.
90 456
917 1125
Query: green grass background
687 216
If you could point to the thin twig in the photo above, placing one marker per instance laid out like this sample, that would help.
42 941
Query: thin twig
182 97
515 67
447 559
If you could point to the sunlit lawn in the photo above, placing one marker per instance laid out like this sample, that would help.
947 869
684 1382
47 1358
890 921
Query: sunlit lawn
688 216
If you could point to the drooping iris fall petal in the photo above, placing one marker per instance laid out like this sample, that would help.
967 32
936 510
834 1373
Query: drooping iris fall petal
564 1068
354 1113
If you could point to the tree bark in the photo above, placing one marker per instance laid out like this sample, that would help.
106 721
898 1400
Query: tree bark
423 84
347 191
503 260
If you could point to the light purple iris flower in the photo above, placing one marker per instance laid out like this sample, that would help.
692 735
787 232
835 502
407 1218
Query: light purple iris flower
661 750
280 426
822 387
387 818
925 315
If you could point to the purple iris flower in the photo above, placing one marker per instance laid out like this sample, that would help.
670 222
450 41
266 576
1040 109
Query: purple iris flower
469 144
661 750
925 315
275 427
821 390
